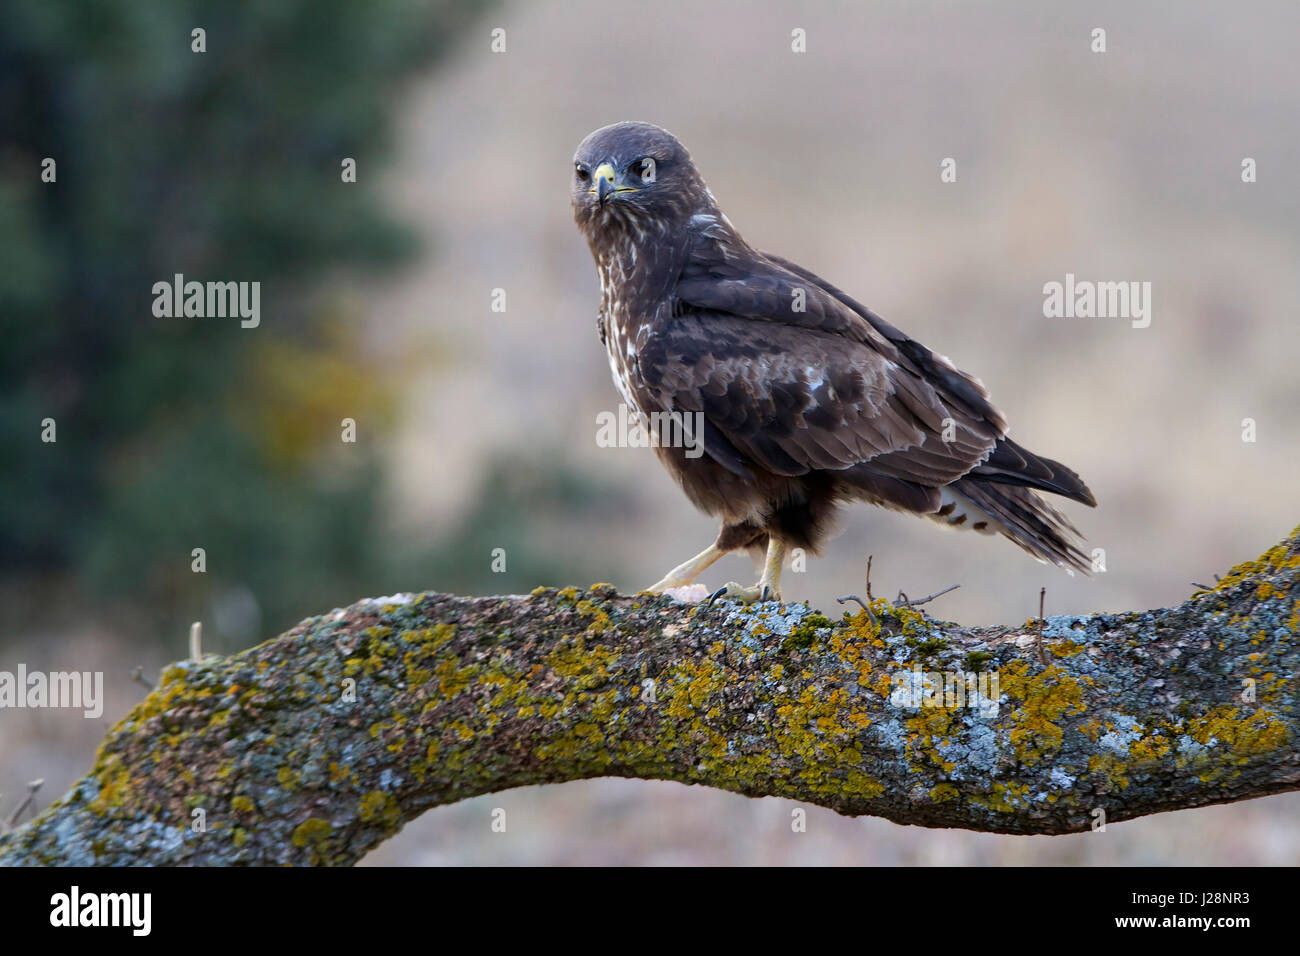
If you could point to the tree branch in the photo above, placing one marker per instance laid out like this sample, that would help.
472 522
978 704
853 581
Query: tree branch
317 745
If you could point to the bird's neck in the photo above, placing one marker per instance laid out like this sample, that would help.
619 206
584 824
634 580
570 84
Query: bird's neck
636 269
638 265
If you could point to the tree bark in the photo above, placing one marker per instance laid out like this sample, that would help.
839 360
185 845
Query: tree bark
314 747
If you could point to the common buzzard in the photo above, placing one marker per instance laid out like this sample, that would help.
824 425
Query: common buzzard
799 397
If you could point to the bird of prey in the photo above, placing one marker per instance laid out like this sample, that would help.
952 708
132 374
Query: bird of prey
800 397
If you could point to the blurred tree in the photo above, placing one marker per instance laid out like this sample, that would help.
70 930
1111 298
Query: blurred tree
222 165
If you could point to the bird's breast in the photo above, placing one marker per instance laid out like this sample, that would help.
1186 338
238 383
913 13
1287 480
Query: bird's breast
620 345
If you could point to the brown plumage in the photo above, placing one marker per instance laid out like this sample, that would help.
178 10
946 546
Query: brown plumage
804 397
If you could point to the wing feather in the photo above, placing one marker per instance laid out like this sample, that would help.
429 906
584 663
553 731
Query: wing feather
793 376
791 399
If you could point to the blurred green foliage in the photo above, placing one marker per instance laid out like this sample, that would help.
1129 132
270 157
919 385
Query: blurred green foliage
223 165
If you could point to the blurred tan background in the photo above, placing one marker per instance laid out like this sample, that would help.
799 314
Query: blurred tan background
1117 166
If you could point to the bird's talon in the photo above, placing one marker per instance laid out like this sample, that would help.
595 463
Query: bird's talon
757 594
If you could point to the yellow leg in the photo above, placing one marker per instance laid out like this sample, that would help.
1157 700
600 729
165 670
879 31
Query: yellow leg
771 579
684 574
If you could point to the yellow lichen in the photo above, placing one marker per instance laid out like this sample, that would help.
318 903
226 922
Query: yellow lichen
1044 699
379 807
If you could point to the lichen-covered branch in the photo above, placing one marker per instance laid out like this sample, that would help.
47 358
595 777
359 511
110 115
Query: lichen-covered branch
316 746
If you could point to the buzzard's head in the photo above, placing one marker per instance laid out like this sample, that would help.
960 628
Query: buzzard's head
634 177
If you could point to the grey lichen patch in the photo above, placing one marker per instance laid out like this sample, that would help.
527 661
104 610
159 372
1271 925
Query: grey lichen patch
1123 732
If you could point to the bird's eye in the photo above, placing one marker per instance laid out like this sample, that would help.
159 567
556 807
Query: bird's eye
644 168
581 172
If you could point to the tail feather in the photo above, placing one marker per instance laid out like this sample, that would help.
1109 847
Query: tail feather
1018 513
1011 464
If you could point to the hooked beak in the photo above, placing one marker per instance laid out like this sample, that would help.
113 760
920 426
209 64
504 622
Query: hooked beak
603 184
